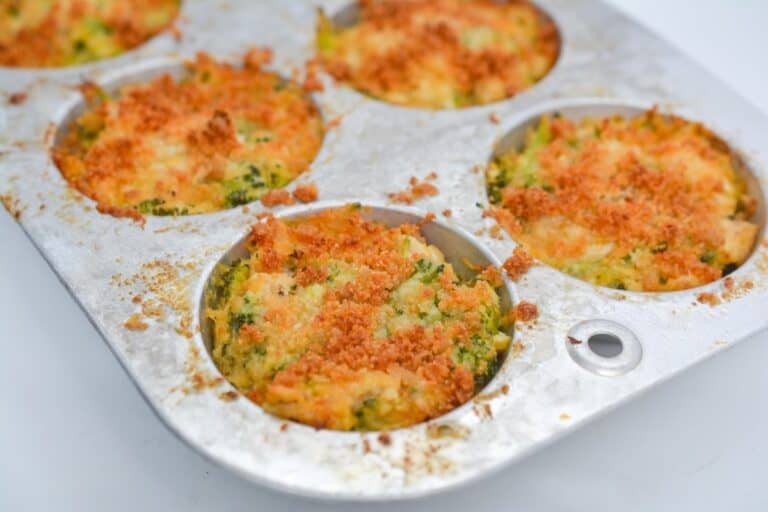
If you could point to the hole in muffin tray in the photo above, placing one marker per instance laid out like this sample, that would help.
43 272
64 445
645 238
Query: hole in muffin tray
604 347
605 344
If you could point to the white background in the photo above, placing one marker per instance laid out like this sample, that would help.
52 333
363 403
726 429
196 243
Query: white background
76 435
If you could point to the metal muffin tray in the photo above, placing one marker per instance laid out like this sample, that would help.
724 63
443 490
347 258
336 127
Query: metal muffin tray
122 272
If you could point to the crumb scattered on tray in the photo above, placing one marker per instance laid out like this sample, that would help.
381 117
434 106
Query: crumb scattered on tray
416 190
518 264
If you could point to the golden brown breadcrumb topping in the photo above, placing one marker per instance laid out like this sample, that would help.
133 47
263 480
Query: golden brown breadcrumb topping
648 203
220 137
344 323
440 53
52 33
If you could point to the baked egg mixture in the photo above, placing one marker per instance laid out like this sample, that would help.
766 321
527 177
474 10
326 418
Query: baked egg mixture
54 33
440 54
343 323
220 137
649 203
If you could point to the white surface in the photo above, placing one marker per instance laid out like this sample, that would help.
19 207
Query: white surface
75 434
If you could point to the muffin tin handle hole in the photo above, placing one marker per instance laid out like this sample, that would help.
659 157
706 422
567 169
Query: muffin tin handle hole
604 347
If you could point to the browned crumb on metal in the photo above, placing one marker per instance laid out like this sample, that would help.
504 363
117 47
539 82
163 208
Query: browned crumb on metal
153 309
277 197
17 98
385 439
184 327
163 284
526 311
518 264
283 427
366 446
447 212
334 123
494 118
136 299
135 323
12 205
734 289
496 232
416 190
429 217
447 430
574 341
176 32
201 381
565 416
229 396
483 411
306 193
708 298
484 397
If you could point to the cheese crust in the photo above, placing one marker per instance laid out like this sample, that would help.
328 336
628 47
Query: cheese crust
651 203
54 33
440 54
220 137
346 324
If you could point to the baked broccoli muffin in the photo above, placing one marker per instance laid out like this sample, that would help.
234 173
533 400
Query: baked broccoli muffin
440 54
650 203
220 137
53 33
343 323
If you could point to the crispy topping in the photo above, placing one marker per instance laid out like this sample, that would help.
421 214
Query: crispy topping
416 190
219 138
440 53
278 197
518 264
649 203
52 33
526 311
306 193
343 323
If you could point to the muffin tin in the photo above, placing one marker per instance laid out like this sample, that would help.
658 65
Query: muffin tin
142 286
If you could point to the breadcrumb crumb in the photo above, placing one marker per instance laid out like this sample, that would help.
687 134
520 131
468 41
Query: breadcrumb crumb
518 264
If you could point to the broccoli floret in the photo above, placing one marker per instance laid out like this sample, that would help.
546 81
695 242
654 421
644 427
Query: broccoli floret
237 320
155 207
224 280
426 271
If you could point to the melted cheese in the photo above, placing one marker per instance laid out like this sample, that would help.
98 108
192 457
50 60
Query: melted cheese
440 53
650 203
345 324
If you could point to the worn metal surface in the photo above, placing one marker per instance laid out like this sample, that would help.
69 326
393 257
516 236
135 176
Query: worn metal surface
105 262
